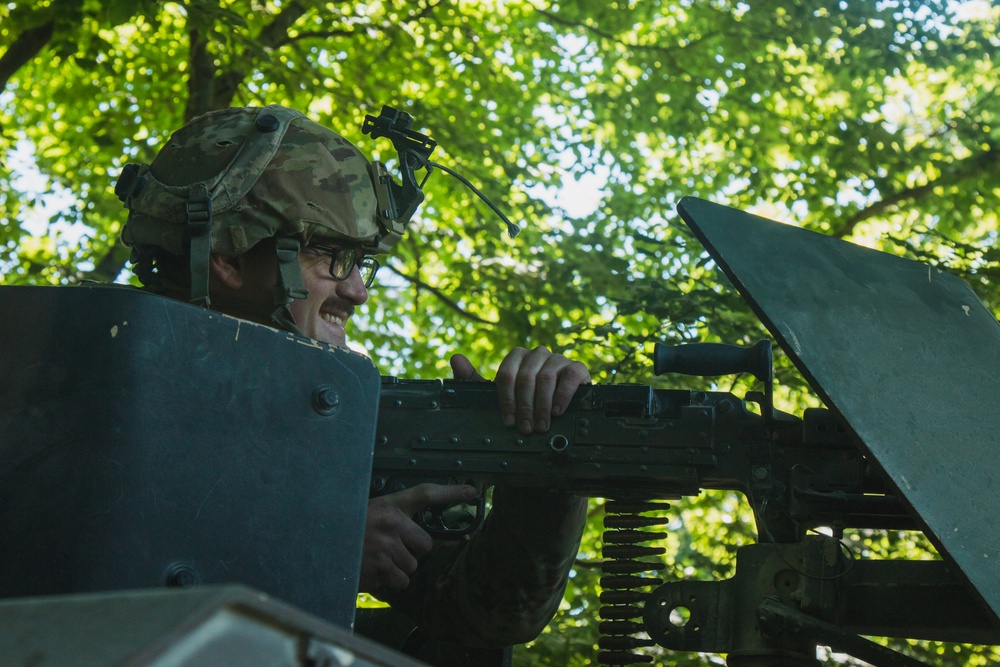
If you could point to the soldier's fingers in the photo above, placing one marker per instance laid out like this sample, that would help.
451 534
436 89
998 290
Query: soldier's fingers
526 389
548 381
506 381
571 376
462 368
412 500
381 576
414 542
534 385
391 546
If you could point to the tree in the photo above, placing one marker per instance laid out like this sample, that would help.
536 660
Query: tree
871 121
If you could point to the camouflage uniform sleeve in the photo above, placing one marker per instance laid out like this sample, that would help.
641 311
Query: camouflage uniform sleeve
502 585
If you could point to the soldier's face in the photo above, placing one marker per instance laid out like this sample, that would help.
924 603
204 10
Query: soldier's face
324 314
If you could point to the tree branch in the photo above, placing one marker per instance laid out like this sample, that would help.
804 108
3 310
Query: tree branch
326 34
201 77
28 45
668 51
273 35
441 296
220 89
970 166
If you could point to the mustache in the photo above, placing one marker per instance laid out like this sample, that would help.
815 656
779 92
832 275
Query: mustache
338 306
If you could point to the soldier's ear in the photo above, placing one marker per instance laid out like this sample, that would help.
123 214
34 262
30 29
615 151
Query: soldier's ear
227 270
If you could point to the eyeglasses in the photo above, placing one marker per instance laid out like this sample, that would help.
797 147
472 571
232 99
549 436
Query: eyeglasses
343 260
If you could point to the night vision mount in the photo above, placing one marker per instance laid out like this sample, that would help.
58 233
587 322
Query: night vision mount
397 203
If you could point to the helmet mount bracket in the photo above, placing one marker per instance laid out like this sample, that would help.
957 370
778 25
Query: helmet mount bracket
397 203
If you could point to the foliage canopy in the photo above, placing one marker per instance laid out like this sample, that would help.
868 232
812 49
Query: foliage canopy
871 121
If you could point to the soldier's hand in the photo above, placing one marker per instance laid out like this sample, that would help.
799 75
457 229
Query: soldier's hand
393 541
532 385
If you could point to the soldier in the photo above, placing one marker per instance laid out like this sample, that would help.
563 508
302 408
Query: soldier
265 215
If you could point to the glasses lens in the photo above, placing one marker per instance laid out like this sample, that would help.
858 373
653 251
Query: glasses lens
342 262
369 267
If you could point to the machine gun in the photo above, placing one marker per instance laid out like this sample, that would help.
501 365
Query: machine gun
633 442
638 446
894 348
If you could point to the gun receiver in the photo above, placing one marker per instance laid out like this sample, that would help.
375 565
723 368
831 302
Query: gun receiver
633 444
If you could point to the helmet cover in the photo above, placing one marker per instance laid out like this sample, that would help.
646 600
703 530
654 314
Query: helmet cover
267 171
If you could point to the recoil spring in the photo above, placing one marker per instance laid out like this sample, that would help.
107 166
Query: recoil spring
623 591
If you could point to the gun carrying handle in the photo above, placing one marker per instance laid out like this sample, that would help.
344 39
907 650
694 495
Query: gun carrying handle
711 359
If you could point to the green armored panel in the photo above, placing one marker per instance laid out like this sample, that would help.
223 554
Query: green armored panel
906 353
146 442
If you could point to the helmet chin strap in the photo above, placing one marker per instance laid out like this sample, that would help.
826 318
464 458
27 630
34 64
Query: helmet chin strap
287 287
198 210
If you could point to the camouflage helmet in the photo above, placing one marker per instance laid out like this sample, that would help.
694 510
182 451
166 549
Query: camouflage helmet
234 177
